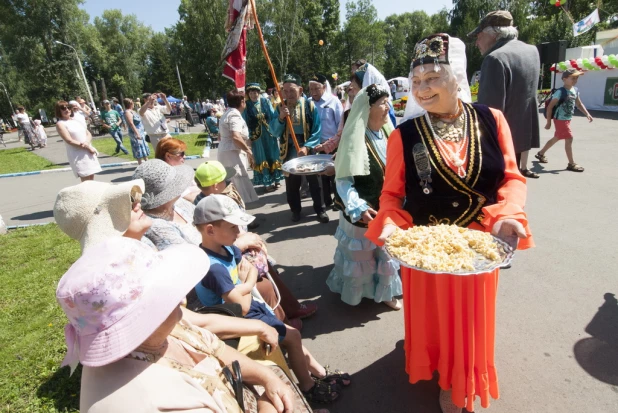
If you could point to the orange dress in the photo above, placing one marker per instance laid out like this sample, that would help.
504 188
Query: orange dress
449 319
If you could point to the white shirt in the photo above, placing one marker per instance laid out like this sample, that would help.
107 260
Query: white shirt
79 116
23 118
231 121
154 120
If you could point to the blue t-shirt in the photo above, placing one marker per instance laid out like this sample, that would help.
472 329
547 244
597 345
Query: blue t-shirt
566 110
222 277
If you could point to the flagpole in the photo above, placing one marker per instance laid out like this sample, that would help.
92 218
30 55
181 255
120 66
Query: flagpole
272 72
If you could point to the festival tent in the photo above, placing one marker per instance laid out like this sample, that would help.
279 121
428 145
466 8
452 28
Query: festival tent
170 99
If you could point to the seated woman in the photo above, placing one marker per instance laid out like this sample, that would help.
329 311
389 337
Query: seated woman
119 214
126 328
173 216
172 151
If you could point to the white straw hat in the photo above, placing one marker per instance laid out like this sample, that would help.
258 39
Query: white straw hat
93 211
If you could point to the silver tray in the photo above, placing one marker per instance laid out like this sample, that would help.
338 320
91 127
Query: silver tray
481 265
318 163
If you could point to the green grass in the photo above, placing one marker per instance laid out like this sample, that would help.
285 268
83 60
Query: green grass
32 324
22 160
106 145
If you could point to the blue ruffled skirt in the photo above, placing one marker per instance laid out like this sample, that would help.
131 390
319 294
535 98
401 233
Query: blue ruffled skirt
362 269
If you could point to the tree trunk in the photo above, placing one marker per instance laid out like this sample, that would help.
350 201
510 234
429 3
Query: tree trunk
103 90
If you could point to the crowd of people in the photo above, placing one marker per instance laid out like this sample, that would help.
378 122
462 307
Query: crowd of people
177 235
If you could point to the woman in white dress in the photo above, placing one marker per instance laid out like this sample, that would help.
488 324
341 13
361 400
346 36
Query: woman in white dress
25 122
234 139
81 155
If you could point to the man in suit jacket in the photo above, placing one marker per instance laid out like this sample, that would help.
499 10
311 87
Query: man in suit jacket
509 81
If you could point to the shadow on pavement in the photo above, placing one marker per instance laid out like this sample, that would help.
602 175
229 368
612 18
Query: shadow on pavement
598 355
35 216
540 169
281 228
117 171
383 386
307 282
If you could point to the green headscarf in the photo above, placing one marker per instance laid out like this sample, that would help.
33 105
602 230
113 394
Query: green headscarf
352 156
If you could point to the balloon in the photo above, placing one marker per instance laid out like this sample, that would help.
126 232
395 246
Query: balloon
605 60
580 64
557 3
613 60
552 2
335 76
587 64
562 66
574 64
321 42
552 68
568 65
599 62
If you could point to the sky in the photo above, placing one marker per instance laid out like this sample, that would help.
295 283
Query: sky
165 13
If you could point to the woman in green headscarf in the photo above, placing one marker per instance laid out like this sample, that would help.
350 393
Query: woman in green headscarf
362 269
265 147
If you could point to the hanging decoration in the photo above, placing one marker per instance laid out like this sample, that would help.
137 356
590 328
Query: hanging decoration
557 3
606 62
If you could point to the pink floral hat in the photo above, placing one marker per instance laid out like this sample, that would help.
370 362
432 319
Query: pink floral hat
119 292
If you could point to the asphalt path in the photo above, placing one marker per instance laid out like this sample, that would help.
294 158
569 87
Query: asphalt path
557 323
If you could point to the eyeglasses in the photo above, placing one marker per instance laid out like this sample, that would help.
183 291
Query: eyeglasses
136 198
181 154
64 107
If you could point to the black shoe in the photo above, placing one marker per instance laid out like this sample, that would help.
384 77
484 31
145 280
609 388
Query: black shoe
115 153
323 218
295 216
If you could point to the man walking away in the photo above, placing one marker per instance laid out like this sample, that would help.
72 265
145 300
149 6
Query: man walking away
509 81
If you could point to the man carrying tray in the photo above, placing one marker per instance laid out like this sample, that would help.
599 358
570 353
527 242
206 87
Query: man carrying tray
307 127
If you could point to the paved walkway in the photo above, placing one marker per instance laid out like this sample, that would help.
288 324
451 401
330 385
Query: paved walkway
557 329
55 151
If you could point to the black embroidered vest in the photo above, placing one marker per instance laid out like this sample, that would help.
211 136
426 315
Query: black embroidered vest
369 186
454 200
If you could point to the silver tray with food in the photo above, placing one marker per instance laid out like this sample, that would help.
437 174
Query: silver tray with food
448 249
308 165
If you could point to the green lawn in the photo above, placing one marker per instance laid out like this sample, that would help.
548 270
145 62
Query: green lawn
32 324
22 160
107 145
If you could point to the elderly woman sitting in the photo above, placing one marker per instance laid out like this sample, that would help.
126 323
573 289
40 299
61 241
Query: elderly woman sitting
125 328
172 151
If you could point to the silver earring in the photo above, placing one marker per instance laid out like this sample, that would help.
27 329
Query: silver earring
459 89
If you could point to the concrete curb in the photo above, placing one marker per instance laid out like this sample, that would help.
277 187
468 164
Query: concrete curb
109 165
10 227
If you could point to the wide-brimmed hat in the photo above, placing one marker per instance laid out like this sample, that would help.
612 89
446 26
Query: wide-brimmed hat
93 211
119 292
219 207
163 182
213 172
498 18
253 86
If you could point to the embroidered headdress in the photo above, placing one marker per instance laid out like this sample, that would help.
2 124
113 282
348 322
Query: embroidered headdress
432 49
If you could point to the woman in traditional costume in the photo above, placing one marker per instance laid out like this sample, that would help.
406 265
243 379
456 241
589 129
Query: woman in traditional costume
267 166
452 163
362 269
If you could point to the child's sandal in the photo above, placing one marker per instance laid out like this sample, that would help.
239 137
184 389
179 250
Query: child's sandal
541 158
575 167
321 392
338 376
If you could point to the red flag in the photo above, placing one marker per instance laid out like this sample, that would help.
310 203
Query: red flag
235 51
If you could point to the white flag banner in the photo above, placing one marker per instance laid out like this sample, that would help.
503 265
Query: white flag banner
587 23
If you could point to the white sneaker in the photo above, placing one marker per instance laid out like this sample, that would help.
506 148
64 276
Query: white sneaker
446 403
395 304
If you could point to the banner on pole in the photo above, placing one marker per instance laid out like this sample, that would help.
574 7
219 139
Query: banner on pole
235 50
587 23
